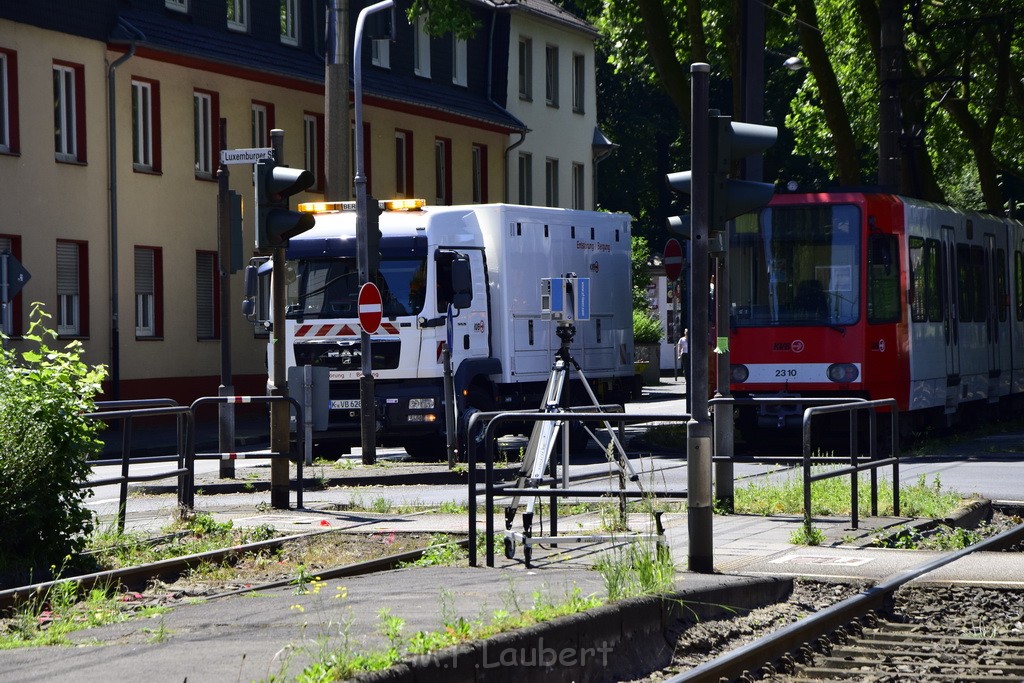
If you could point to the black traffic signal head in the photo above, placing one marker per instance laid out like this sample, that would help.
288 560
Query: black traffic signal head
728 197
731 142
275 222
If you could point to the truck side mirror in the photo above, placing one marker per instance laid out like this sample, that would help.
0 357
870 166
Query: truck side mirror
251 286
462 282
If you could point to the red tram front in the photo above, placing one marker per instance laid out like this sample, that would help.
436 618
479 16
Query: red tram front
875 296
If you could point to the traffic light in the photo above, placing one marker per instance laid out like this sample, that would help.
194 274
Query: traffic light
275 222
728 197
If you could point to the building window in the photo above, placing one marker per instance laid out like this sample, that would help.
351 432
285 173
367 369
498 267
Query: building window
290 22
551 182
72 274
578 90
8 102
205 112
525 69
69 112
480 174
148 292
176 5
525 178
262 122
421 47
10 315
380 53
238 15
207 296
443 171
145 125
313 140
578 193
460 66
551 75
403 163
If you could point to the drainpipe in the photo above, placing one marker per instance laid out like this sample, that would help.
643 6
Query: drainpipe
115 332
490 86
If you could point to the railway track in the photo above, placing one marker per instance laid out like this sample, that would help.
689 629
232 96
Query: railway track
139 576
893 632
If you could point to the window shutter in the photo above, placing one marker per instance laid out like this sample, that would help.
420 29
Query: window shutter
67 268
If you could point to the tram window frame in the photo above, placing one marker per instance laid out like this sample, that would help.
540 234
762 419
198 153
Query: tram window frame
926 302
883 279
999 282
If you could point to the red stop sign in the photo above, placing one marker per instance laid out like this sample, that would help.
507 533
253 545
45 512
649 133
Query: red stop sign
370 307
673 259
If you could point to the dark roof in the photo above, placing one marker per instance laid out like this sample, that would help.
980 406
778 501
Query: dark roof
547 10
164 34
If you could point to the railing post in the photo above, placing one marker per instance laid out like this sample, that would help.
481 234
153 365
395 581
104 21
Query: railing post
895 444
855 476
807 472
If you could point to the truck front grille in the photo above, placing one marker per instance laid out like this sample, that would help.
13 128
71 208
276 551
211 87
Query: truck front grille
347 354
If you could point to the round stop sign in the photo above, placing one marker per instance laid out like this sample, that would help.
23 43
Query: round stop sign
673 259
370 307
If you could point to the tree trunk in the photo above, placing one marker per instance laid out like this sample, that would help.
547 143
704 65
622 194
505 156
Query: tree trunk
836 117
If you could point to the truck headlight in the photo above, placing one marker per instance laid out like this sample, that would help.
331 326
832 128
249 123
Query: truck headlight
739 373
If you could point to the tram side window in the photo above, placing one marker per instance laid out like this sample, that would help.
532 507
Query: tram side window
1002 295
925 279
981 280
883 280
965 282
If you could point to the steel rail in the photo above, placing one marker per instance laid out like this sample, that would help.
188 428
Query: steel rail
140 574
770 648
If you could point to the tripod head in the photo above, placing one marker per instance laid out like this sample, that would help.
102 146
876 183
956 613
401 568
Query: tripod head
565 331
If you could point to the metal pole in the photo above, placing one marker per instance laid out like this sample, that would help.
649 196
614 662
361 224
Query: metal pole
225 411
337 131
449 403
277 382
367 401
724 444
698 429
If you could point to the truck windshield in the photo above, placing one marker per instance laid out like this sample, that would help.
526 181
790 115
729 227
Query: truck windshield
796 265
329 287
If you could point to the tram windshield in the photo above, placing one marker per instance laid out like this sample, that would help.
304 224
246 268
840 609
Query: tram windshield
796 265
329 287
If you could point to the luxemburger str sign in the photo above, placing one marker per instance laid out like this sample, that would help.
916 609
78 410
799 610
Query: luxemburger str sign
245 156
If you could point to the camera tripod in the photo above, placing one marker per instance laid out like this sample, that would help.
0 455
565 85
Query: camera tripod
543 438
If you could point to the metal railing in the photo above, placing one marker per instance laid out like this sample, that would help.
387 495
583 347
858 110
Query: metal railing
184 455
127 412
297 455
551 487
857 463
820 406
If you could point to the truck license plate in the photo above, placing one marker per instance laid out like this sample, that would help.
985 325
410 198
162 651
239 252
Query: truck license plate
345 404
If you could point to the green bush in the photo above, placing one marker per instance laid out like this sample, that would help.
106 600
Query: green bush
45 443
646 328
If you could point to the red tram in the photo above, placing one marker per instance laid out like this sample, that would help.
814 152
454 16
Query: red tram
876 296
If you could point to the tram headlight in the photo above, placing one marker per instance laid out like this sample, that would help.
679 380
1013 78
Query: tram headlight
843 373
739 373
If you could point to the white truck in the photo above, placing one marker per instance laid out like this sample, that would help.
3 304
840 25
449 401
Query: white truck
503 348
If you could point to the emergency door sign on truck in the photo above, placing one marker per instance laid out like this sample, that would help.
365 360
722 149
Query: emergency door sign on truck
502 347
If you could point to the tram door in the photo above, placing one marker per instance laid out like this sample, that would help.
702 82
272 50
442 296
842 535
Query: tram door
951 332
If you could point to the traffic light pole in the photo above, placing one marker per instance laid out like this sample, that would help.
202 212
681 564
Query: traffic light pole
225 411
277 385
698 429
367 400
